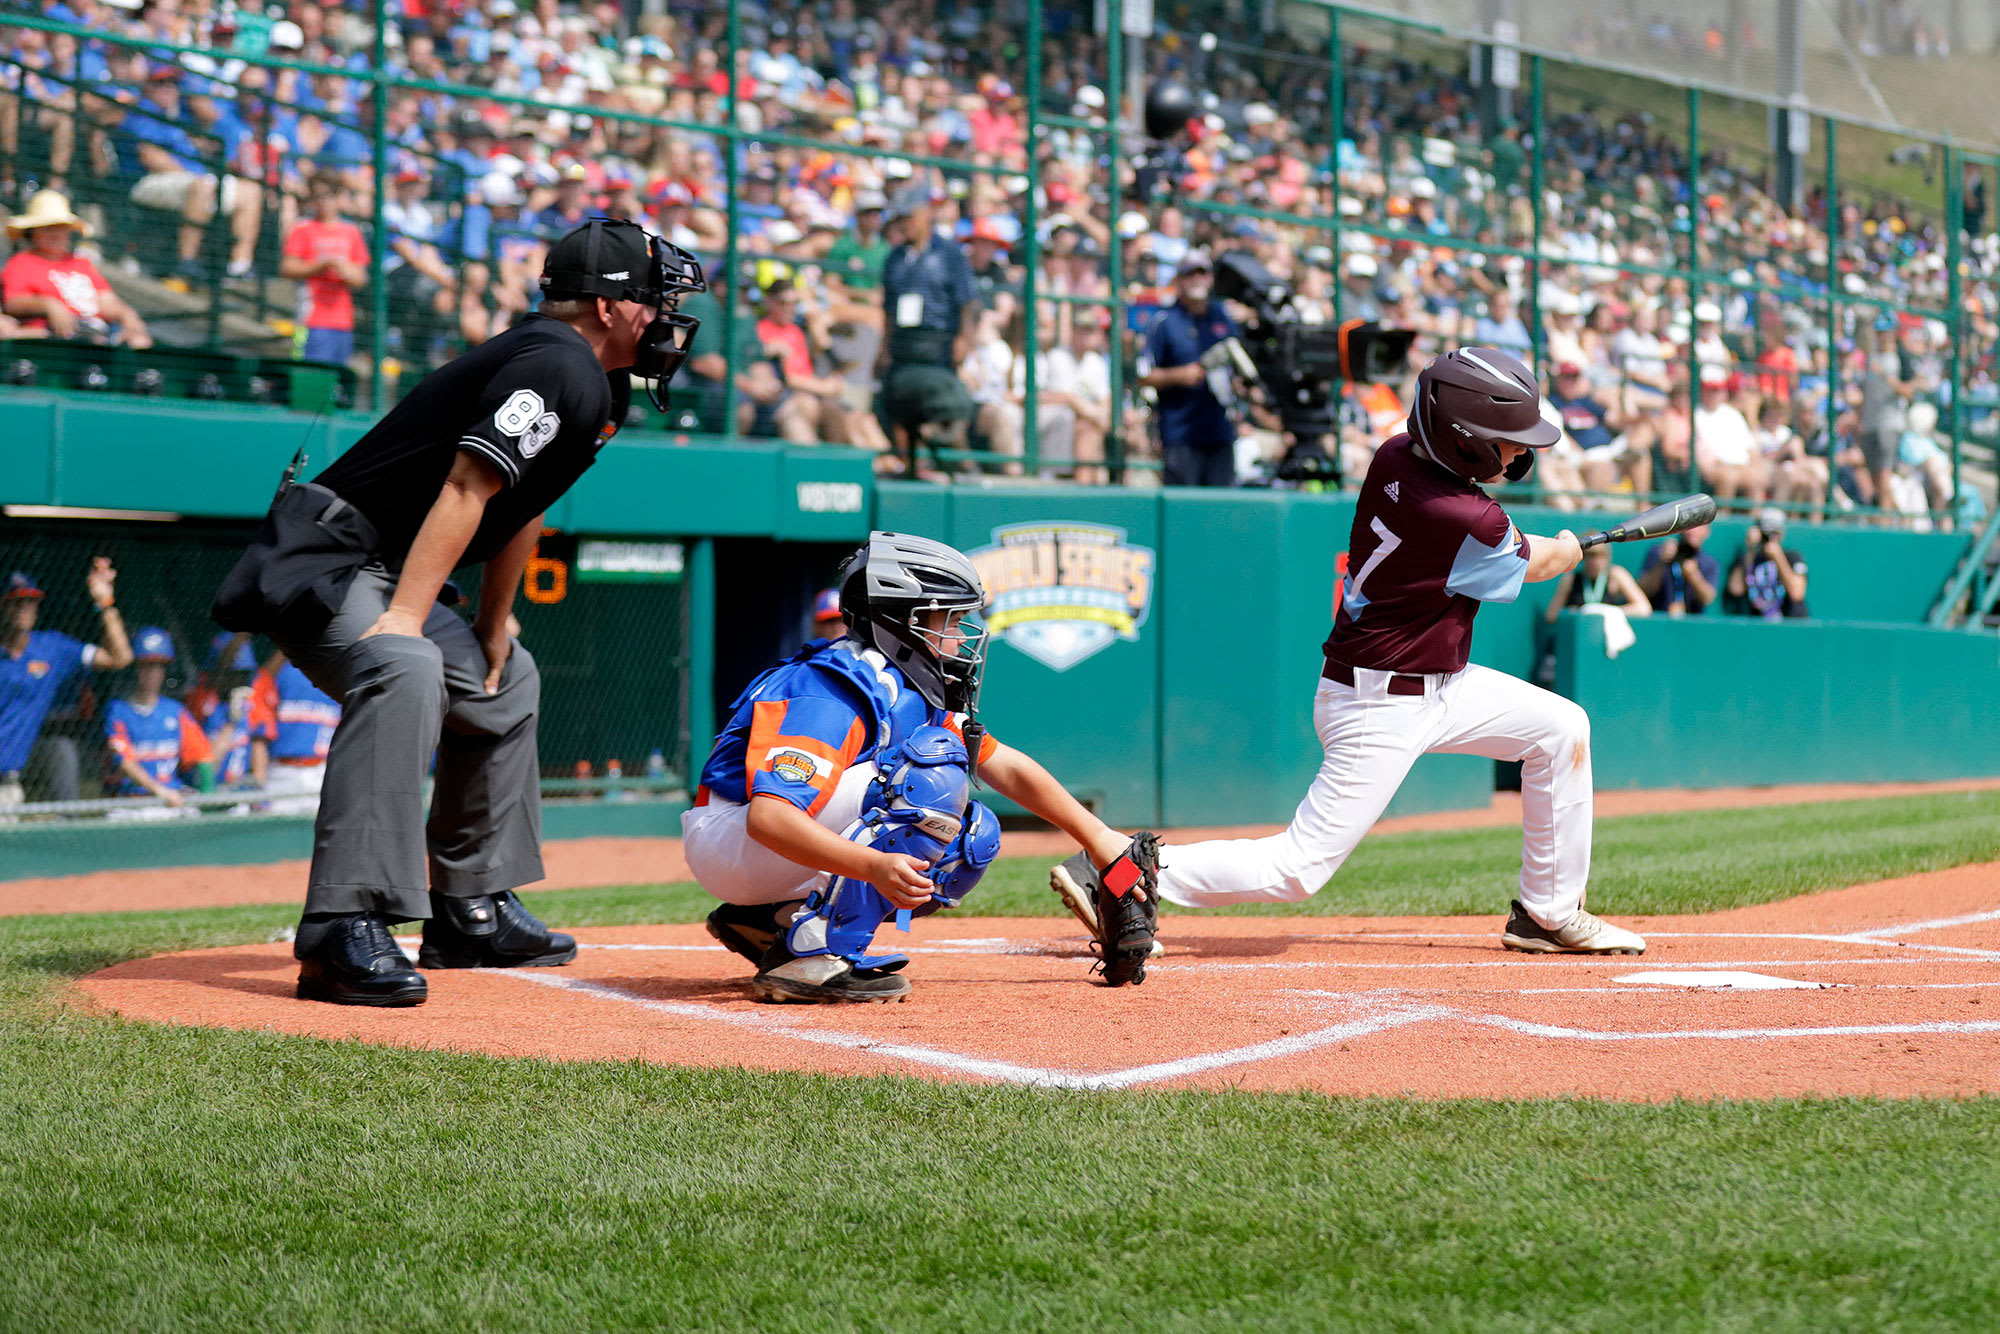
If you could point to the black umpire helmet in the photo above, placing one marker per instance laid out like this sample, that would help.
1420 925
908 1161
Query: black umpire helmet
1472 400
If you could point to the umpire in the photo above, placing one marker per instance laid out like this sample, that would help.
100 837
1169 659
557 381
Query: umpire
349 574
929 304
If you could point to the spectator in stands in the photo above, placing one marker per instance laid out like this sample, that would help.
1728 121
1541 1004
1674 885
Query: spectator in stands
1595 581
1883 411
988 375
327 253
55 291
1921 458
423 291
176 178
853 264
1090 393
1792 473
930 304
1725 450
1197 433
1679 576
1597 423
811 410
1767 579
1500 327
35 665
153 739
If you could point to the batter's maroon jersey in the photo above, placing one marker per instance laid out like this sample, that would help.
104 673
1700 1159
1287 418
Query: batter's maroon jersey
1428 547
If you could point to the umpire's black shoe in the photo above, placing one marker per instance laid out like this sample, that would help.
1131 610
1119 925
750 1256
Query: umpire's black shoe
489 931
353 960
749 929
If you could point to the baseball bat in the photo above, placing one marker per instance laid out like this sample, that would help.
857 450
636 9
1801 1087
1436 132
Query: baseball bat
1675 516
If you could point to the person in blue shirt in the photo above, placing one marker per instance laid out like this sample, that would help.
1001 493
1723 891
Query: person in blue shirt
1197 434
152 739
35 666
180 177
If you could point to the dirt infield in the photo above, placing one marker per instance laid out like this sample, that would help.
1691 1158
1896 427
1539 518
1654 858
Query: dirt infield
1879 989
589 862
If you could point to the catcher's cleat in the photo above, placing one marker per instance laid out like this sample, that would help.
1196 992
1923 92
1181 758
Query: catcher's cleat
1121 922
1585 933
749 929
823 979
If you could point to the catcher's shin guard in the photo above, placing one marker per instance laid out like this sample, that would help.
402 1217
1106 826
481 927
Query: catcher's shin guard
1123 923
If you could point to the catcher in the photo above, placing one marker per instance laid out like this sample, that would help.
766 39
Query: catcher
840 791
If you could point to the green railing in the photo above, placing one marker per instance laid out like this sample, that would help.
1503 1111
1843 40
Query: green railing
1698 242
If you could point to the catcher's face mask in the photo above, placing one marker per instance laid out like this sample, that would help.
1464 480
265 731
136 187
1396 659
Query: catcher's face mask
621 261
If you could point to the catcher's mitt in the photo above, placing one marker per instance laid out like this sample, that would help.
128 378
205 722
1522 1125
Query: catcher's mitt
1122 923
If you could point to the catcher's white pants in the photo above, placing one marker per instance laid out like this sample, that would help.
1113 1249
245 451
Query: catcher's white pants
736 868
1371 739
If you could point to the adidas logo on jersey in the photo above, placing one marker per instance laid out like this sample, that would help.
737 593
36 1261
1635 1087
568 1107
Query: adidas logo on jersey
1394 490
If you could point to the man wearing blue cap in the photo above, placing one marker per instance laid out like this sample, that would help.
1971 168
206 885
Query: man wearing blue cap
36 664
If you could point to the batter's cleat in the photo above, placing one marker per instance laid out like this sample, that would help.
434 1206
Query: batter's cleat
823 979
1585 933
490 931
749 929
353 960
1079 899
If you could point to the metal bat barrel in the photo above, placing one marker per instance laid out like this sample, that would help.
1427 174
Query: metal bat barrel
1676 516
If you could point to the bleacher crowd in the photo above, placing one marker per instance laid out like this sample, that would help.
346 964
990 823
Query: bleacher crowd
1726 384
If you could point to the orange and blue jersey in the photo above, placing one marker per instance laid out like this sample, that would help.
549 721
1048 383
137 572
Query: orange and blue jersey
163 739
798 727
229 738
303 716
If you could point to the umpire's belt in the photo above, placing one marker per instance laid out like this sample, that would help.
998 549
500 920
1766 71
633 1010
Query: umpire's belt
297 568
1398 685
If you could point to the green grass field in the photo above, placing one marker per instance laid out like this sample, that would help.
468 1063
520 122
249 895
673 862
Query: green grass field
154 1177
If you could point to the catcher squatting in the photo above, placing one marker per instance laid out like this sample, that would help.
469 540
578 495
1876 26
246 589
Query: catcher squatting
839 793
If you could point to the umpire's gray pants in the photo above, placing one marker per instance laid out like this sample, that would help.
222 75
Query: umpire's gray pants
401 698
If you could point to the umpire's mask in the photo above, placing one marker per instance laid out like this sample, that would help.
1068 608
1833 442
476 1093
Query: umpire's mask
619 260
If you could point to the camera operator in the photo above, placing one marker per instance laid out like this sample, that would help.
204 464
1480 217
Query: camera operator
1768 579
1678 576
1197 434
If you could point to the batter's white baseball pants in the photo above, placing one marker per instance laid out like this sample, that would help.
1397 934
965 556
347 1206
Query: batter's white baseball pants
1371 739
736 868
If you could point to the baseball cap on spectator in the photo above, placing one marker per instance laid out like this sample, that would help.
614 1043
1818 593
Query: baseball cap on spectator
1714 376
782 231
870 200
1194 261
1707 312
1132 224
1567 369
1362 266
499 190
152 644
287 36
985 229
20 584
672 194
1090 97
910 198
1771 520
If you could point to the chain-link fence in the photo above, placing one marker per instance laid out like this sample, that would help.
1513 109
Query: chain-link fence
87 733
394 182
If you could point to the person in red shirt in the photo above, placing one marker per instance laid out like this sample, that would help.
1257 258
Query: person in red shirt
49 288
812 410
329 255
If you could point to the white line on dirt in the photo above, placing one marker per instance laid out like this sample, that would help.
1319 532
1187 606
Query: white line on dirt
1935 924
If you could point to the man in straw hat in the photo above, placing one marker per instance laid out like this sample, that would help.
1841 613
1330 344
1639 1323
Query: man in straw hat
48 287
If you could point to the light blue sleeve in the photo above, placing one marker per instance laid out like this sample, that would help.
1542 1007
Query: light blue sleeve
1490 574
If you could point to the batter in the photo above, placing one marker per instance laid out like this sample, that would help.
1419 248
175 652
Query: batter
1428 548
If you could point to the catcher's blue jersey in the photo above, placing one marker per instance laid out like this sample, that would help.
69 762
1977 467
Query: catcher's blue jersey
795 730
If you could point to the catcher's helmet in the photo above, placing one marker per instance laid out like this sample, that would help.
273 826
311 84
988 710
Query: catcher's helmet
1470 401
886 589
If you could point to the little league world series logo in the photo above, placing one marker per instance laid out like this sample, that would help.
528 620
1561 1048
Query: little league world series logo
1061 592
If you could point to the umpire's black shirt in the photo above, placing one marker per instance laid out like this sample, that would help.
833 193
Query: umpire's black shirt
533 403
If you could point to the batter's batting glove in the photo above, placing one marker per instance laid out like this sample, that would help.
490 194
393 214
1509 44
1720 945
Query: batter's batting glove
1122 924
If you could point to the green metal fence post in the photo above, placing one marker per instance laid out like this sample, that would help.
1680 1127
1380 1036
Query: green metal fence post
1831 190
1114 341
1336 122
732 183
701 656
1693 275
378 296
1031 421
1538 186
1954 228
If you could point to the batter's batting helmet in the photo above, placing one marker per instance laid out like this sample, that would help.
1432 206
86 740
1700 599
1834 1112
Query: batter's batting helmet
1472 400
889 586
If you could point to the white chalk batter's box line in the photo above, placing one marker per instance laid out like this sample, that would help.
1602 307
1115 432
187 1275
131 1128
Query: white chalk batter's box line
1380 1012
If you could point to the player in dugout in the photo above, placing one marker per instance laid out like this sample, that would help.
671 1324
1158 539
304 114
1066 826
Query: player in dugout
838 794
1429 546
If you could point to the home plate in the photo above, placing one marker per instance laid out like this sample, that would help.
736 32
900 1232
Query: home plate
1718 980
